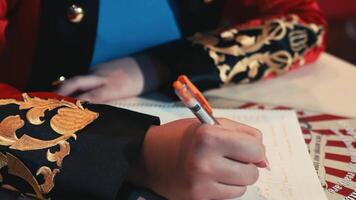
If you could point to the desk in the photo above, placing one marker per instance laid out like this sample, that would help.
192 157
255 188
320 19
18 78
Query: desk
327 86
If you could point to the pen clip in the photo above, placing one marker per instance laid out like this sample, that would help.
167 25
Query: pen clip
197 94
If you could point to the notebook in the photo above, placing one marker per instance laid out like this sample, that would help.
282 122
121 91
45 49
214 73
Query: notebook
292 174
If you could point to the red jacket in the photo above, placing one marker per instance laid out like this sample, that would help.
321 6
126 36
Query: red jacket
23 52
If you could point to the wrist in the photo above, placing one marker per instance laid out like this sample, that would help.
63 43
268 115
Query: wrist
138 173
153 167
155 74
162 153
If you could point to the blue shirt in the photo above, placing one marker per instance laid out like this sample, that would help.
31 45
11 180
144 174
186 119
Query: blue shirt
129 26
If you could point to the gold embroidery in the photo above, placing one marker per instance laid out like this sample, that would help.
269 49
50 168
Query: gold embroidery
238 44
9 187
210 42
17 168
67 122
216 57
38 106
246 40
3 160
48 175
229 34
64 150
298 40
69 119
272 31
28 143
7 101
8 128
252 63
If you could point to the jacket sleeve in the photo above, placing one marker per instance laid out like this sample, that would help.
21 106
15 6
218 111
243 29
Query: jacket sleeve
56 147
277 36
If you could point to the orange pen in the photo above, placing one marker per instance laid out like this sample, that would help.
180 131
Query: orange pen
194 100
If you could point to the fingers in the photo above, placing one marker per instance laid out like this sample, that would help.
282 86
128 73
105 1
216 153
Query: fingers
239 127
242 128
212 167
80 83
211 190
234 145
223 191
94 96
230 172
99 95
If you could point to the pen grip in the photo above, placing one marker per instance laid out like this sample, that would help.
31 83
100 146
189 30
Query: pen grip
198 110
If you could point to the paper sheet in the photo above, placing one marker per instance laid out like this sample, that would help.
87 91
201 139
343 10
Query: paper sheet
292 176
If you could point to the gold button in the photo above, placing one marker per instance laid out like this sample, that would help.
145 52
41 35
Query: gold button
75 14
59 81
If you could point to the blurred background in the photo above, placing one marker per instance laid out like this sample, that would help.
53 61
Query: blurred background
341 16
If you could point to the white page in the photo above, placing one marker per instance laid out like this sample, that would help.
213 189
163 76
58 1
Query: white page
292 175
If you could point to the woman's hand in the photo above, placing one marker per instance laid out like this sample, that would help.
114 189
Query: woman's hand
187 160
110 81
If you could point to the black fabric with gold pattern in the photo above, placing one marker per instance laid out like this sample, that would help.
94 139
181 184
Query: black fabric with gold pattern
249 54
62 150
241 55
